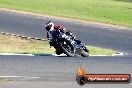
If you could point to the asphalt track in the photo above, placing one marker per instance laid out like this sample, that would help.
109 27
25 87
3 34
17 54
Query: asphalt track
108 37
59 72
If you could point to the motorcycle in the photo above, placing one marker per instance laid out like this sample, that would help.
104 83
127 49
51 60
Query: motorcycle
67 45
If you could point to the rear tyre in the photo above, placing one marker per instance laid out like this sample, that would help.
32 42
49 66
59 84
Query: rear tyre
84 54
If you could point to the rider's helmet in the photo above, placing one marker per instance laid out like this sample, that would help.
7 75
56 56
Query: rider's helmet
49 26
56 27
62 28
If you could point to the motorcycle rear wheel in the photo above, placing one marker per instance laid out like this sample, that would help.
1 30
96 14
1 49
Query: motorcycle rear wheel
84 53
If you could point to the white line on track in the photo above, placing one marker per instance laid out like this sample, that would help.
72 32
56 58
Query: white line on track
11 54
16 54
19 77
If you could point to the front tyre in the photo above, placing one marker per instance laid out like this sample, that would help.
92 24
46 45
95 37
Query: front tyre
67 48
69 54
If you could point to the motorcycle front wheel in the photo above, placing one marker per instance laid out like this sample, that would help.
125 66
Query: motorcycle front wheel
67 49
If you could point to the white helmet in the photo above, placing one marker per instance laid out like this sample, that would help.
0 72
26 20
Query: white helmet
49 26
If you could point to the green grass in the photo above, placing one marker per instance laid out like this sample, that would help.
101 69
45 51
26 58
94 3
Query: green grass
100 51
12 44
3 81
109 11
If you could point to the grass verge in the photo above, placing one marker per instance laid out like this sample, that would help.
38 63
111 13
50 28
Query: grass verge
109 11
17 45
100 51
3 81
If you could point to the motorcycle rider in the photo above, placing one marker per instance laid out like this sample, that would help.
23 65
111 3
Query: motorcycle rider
53 29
